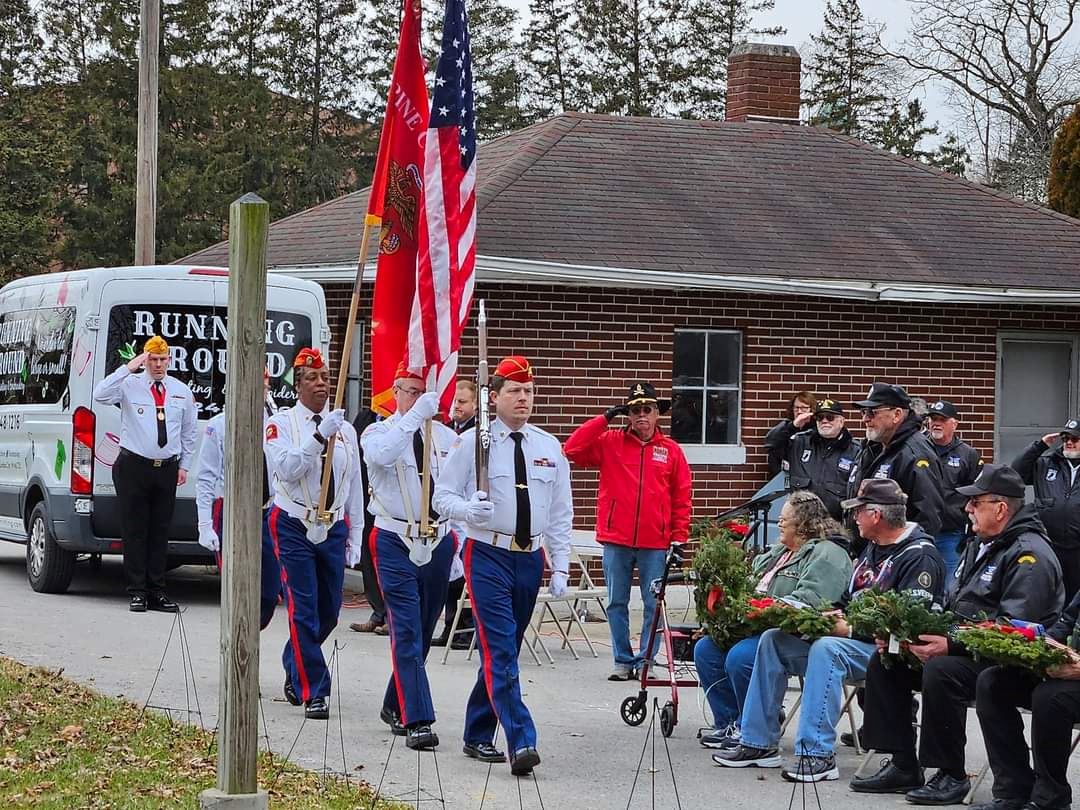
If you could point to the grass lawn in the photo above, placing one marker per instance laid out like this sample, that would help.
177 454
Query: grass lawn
63 746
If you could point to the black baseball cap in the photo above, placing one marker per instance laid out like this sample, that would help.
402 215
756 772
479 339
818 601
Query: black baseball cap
828 406
884 394
942 408
644 393
1072 428
877 491
995 479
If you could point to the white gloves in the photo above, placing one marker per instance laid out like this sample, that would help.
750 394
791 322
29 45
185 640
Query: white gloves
457 567
424 408
559 583
478 510
208 538
331 423
352 550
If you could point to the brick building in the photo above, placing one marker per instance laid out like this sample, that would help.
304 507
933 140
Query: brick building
734 263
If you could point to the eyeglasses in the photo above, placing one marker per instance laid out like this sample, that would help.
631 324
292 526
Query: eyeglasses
641 409
977 502
869 413
412 392
1067 439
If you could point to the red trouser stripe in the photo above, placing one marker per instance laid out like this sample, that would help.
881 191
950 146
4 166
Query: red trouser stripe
294 638
481 634
390 622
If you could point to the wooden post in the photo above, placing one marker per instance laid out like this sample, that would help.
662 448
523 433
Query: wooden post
146 155
238 707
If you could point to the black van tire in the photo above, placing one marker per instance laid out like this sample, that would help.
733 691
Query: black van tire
48 567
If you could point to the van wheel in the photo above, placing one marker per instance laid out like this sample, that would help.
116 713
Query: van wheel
48 567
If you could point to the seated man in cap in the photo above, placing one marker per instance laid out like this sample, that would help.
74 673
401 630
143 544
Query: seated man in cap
898 556
642 508
1010 573
820 456
960 465
896 448
1055 709
158 431
312 546
528 506
1052 471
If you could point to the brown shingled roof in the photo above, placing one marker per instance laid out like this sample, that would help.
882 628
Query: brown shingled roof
724 198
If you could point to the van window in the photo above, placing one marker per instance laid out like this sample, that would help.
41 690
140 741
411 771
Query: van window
198 340
35 355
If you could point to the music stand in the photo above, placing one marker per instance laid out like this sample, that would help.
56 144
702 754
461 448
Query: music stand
757 511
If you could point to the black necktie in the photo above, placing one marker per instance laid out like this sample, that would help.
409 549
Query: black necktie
523 528
418 453
159 400
330 492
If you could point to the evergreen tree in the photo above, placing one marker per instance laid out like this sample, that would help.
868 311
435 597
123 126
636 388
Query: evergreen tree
903 132
850 86
951 156
554 57
382 27
1063 188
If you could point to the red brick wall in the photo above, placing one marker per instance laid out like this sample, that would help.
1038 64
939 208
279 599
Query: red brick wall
587 344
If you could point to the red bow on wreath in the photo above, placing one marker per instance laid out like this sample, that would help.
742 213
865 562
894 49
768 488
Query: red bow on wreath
716 598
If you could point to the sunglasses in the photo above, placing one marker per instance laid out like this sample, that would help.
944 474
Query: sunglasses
637 410
826 417
870 413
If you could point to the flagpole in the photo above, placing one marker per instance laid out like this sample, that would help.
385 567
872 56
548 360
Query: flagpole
370 222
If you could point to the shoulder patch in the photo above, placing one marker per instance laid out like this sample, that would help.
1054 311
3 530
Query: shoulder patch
271 432
925 579
1026 558
923 462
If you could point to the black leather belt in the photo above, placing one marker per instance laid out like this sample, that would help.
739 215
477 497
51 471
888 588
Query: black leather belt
151 462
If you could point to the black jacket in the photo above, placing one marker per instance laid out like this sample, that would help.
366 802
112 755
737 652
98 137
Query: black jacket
776 445
960 465
909 460
1068 624
913 564
815 463
1056 497
1019 576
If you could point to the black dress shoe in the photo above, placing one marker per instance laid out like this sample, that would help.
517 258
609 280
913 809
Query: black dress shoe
290 693
888 779
440 641
1037 806
317 709
523 761
1000 804
392 719
462 641
421 738
137 603
848 739
161 603
941 789
485 752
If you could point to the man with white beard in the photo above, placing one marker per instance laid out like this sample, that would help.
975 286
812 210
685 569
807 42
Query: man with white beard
1053 474
818 455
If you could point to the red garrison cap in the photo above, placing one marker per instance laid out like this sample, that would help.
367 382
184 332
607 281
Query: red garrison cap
515 368
403 373
308 358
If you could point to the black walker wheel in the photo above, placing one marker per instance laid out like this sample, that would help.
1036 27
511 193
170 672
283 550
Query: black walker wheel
633 710
668 720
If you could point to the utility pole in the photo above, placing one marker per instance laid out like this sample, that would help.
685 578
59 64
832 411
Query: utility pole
146 156
241 546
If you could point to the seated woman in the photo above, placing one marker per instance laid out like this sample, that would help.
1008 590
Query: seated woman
810 564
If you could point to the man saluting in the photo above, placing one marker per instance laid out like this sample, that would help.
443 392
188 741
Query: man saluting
528 506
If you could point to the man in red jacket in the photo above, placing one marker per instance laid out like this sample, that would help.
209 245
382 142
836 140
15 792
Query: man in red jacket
642 508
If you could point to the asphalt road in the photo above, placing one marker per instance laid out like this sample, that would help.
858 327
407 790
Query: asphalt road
590 757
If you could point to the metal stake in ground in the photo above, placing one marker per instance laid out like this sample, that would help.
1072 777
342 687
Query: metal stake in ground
238 713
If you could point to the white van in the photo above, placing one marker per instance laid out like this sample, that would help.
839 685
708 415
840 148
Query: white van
59 335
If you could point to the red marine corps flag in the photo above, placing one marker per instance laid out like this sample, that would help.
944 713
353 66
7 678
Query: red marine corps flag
395 203
447 231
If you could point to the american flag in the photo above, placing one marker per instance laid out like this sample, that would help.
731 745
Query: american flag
446 259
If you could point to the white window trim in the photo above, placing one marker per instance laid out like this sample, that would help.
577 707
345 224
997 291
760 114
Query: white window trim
702 454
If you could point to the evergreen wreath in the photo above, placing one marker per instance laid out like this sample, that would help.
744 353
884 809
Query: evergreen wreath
724 582
1014 646
900 615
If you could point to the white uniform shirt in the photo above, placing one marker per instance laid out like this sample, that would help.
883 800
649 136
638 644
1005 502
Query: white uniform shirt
550 503
386 443
138 415
210 477
297 466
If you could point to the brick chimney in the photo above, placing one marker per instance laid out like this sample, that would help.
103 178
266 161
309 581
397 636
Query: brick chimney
763 83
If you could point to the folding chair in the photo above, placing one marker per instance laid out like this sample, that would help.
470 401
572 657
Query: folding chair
981 775
850 691
581 590
466 602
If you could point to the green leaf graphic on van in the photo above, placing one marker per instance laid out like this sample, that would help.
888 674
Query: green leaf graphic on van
127 351
26 370
61 457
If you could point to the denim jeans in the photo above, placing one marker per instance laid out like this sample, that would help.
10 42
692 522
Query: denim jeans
619 562
947 543
826 665
724 674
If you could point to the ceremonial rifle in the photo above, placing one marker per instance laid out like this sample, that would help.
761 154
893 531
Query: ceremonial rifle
483 422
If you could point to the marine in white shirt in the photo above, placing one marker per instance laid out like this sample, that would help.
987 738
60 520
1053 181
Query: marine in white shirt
413 569
528 505
158 431
312 551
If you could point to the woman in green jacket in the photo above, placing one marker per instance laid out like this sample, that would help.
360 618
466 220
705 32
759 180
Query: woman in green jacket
810 564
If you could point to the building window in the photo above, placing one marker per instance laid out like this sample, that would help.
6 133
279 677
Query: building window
705 387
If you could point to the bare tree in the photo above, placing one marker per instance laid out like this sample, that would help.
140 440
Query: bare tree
1009 60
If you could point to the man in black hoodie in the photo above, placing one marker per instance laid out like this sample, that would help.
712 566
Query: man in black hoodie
819 456
1010 573
896 448
960 465
1055 474
1055 709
